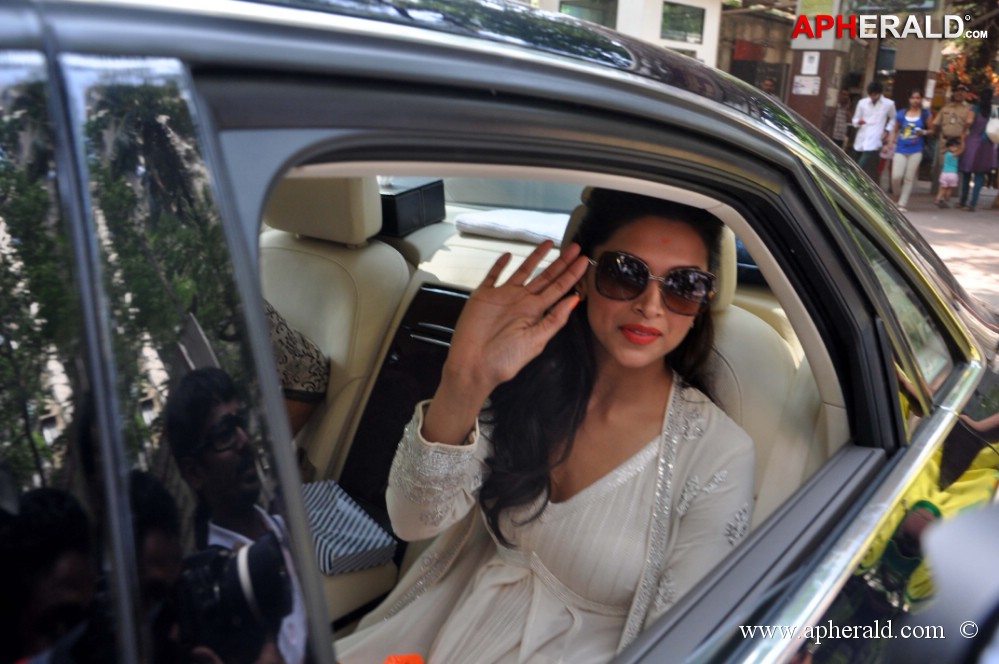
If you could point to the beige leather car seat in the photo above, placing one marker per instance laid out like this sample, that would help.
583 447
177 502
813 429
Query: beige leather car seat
322 271
762 381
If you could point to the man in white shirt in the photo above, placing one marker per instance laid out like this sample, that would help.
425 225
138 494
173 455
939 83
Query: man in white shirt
874 120
210 440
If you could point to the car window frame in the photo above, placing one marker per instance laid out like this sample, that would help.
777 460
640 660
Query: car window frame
286 469
367 145
304 139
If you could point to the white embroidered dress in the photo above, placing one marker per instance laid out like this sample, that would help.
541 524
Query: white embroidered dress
586 576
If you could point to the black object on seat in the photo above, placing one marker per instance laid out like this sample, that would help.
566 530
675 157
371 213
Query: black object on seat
410 373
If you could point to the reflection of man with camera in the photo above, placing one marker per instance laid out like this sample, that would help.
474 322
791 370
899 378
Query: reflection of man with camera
233 601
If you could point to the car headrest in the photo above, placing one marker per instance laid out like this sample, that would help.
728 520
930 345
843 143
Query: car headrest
344 210
727 270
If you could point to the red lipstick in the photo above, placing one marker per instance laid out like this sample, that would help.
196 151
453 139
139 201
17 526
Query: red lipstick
639 334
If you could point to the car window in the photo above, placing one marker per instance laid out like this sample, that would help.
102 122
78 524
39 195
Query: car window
212 552
925 338
517 194
52 546
387 345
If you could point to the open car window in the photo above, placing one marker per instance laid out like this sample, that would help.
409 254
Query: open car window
382 307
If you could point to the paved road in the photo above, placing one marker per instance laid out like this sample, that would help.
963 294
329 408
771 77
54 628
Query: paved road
968 242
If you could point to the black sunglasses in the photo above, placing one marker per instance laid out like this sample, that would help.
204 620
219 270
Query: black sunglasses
222 435
621 276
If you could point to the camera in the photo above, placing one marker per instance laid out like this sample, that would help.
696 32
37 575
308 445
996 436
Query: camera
232 601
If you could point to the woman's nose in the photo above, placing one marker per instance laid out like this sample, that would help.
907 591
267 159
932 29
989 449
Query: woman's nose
650 302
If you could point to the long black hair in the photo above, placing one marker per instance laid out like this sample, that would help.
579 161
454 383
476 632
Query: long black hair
538 412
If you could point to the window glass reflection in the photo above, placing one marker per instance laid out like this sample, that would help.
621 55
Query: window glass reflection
893 578
50 500
215 574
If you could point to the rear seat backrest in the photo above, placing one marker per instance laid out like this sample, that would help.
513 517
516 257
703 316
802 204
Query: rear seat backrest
758 381
752 366
321 269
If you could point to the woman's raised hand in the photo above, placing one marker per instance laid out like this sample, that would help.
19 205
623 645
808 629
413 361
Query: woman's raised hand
501 329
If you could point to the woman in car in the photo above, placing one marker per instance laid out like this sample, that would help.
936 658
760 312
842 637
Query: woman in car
599 483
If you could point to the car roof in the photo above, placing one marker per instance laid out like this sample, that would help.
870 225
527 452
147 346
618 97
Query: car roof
497 24
605 66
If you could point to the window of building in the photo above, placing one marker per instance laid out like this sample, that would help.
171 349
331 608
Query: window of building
603 12
683 23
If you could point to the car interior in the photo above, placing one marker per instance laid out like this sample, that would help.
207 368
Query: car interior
381 297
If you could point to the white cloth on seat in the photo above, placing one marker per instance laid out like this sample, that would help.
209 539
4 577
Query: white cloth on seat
524 225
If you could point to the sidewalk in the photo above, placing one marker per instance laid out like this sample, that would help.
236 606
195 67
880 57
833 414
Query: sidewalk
967 242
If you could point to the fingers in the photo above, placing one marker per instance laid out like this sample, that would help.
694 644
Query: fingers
494 272
526 269
556 318
565 259
565 281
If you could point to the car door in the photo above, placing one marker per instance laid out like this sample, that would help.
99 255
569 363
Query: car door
265 126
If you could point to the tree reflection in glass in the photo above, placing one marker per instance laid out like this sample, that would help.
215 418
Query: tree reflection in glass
39 316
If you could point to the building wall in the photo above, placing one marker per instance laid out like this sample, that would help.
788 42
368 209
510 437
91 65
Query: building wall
643 19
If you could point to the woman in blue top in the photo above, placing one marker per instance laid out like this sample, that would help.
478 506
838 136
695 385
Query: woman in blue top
911 124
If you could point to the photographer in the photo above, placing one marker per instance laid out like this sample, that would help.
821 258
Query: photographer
208 437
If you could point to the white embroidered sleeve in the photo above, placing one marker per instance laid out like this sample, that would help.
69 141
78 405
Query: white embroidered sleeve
432 485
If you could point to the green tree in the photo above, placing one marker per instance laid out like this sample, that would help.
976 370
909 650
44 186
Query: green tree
975 63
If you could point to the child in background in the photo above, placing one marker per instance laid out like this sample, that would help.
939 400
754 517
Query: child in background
948 173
